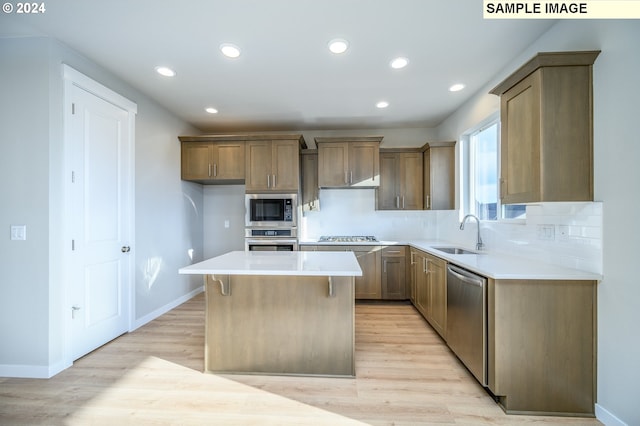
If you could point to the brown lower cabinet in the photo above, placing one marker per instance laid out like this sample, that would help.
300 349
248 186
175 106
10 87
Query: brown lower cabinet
384 270
541 345
369 285
429 289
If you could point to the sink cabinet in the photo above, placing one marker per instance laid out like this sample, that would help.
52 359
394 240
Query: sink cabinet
546 114
273 165
349 162
211 159
439 163
400 180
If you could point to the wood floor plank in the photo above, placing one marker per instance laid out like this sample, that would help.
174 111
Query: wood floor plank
405 375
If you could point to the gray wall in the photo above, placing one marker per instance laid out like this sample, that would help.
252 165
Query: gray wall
167 210
617 176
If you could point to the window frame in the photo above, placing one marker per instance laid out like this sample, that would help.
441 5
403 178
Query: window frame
467 172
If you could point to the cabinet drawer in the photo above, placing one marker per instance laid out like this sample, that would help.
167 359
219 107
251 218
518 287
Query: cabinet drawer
394 251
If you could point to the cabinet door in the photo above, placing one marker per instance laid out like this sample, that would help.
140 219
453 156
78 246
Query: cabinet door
388 197
394 273
368 286
258 166
364 164
228 161
437 303
333 164
520 141
413 271
310 191
196 160
422 284
410 174
439 178
285 168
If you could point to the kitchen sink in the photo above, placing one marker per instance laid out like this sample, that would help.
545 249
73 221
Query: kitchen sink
454 250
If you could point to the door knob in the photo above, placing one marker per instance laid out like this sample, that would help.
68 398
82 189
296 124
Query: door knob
125 249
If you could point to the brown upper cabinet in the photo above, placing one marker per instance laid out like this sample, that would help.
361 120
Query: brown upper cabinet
310 190
345 162
212 159
273 163
439 163
400 180
546 114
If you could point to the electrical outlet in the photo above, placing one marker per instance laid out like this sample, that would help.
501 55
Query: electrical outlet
546 232
18 232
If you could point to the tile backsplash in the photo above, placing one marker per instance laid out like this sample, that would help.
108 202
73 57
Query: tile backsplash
564 234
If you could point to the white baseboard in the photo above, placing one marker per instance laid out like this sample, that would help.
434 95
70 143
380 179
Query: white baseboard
32 371
164 309
606 417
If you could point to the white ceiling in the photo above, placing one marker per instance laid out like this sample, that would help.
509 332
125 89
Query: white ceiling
286 79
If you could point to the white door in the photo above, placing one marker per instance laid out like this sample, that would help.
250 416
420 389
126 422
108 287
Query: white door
100 140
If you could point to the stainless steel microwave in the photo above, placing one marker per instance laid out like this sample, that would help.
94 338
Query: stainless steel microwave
272 210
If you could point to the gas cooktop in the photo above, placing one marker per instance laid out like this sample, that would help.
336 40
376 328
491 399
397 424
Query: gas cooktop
347 239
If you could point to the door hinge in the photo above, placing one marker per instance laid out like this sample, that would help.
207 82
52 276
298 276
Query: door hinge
73 177
73 245
73 108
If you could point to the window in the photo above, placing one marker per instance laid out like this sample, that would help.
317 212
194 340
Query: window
482 163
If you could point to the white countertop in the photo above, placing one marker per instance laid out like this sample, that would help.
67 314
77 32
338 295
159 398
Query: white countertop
299 263
492 265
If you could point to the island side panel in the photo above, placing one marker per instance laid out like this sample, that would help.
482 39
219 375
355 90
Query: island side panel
280 325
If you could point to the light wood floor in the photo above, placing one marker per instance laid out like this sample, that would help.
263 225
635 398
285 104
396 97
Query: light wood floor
405 376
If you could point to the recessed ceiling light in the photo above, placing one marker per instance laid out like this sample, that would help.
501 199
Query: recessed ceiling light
338 45
382 104
211 110
165 71
400 62
230 50
456 87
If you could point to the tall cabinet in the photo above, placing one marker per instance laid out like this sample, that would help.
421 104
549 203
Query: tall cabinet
546 114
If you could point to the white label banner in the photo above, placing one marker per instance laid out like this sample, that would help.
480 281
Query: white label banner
586 9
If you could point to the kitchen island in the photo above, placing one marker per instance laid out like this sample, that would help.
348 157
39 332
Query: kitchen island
279 312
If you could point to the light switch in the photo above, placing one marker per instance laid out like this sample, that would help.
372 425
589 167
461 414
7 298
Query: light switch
18 232
226 223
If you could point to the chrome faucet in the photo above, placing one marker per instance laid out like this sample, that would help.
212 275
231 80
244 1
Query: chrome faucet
479 243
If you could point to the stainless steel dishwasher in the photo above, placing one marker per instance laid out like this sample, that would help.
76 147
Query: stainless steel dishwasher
467 319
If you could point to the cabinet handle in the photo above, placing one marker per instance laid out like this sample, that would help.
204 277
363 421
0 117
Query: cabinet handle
215 170
403 202
412 261
268 181
209 170
346 181
351 177
397 202
384 266
274 181
428 202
